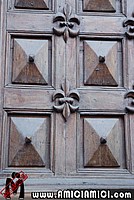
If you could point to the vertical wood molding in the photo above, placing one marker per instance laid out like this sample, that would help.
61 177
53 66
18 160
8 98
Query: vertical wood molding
3 9
129 23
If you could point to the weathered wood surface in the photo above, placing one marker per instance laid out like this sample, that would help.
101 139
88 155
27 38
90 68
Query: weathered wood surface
99 5
106 25
101 63
30 62
103 147
27 4
27 98
29 143
102 100
29 94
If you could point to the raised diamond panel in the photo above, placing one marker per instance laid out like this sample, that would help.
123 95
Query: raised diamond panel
103 142
30 61
29 142
101 63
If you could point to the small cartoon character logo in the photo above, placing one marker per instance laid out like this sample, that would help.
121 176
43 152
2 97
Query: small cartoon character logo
12 185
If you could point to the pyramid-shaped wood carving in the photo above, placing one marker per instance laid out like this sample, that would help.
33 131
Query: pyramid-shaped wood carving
34 4
100 63
28 143
27 156
30 62
101 76
102 143
103 158
99 5
29 74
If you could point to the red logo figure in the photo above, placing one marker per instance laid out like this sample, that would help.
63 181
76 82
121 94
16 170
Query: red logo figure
12 185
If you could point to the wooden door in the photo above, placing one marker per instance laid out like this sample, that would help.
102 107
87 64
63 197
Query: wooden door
66 93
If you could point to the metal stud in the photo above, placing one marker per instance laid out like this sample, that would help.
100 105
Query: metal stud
101 59
103 140
31 58
28 140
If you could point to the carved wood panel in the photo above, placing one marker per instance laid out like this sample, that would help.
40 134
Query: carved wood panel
88 50
102 63
31 63
99 5
103 142
29 141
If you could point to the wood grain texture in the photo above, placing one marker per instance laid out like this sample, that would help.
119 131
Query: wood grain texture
102 158
30 75
71 127
102 100
113 25
101 76
27 157
91 142
71 134
106 26
28 4
60 130
130 83
99 5
26 22
130 141
27 98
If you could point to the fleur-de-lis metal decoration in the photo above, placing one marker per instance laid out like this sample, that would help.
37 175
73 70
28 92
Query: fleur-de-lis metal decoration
67 23
130 94
66 99
129 22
